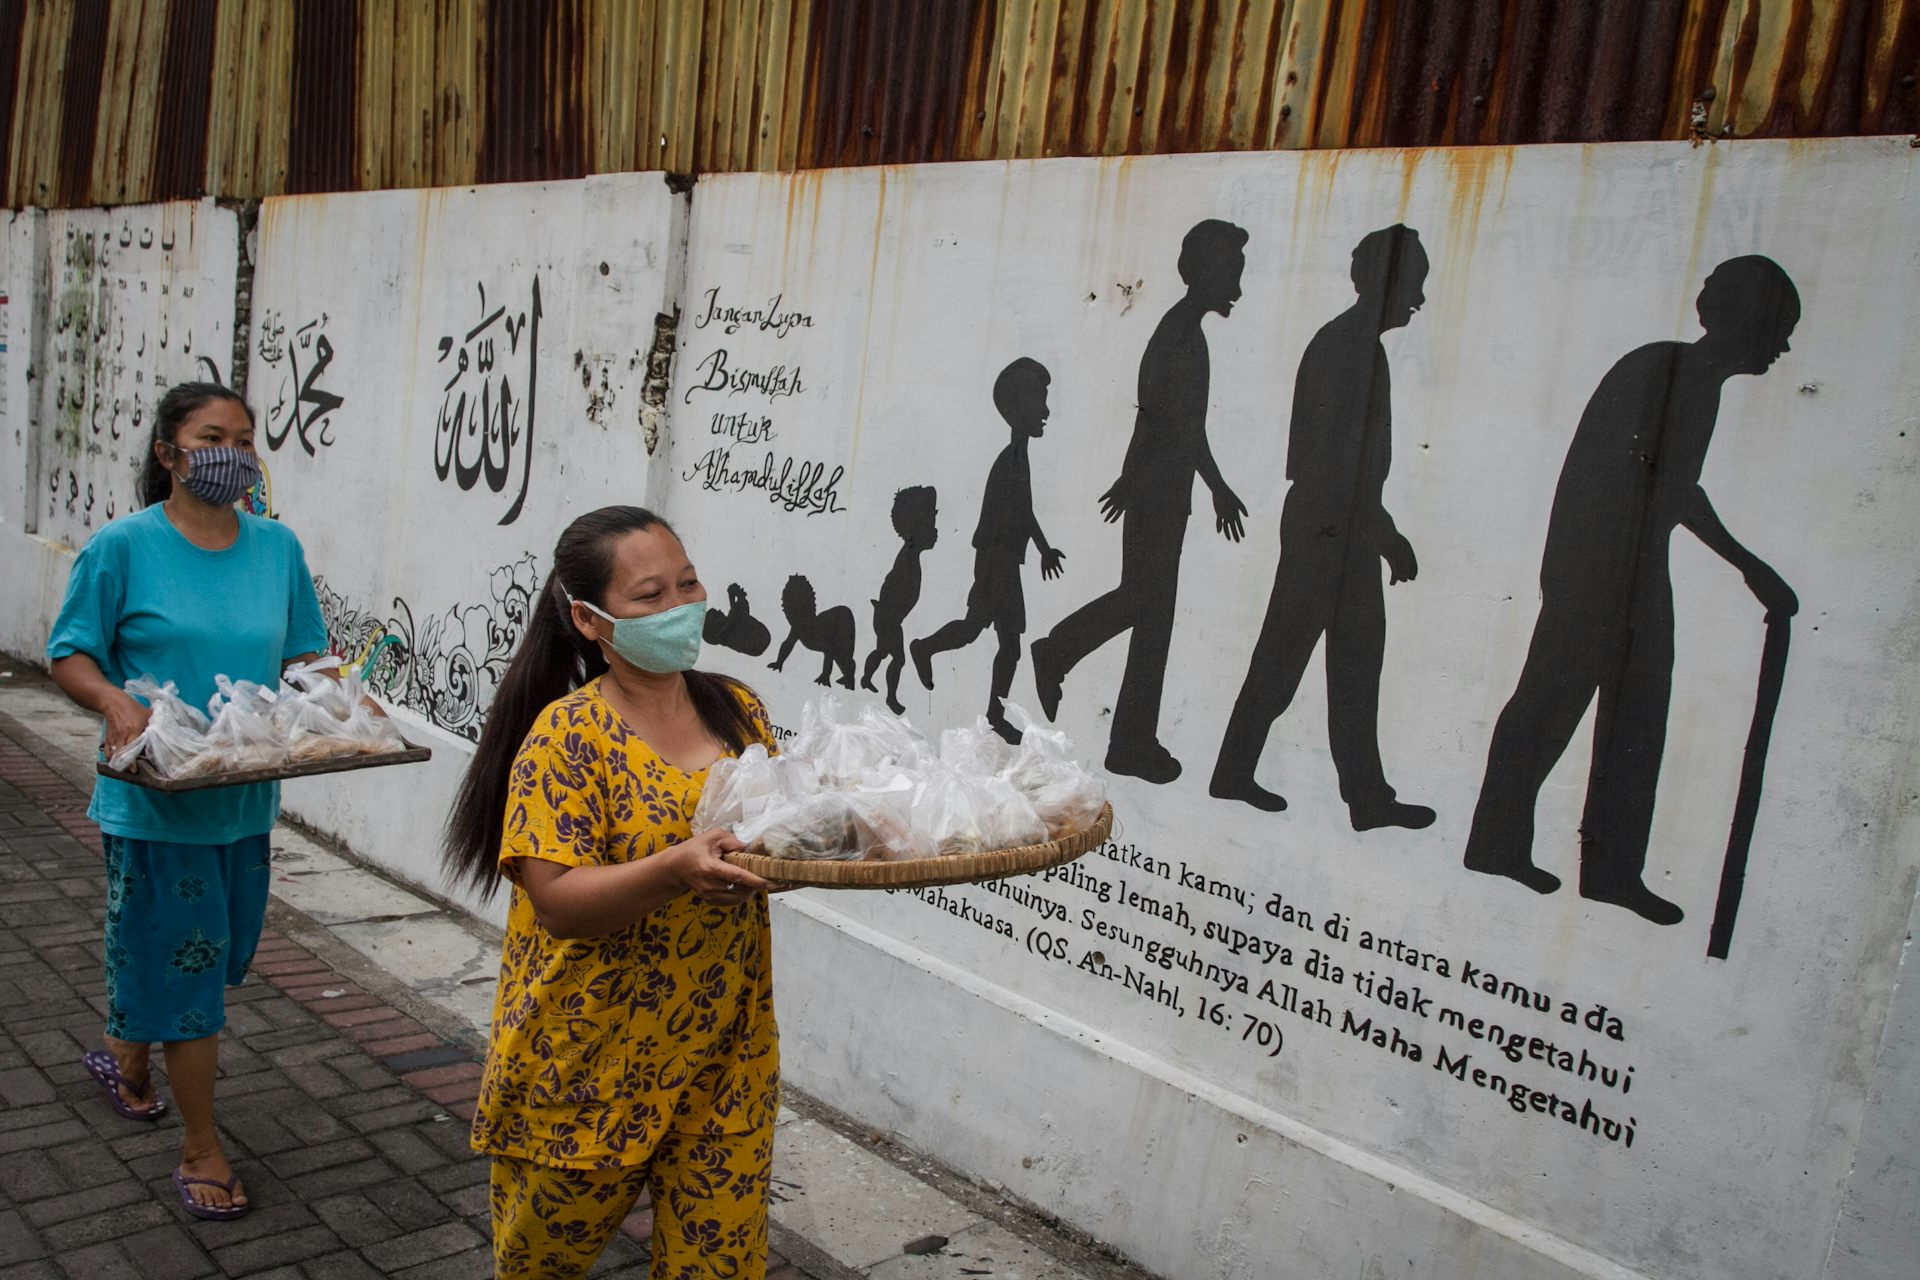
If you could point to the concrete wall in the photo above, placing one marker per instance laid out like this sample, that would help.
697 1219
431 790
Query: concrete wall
1238 1042
107 308
1548 266
445 379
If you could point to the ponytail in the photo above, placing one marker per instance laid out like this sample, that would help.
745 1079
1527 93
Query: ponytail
553 660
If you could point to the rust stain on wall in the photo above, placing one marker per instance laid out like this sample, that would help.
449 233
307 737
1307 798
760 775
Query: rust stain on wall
319 95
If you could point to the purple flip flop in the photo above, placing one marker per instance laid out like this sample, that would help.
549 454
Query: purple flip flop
211 1212
105 1068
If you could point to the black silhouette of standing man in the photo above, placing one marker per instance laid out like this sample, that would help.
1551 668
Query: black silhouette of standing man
1007 525
1153 498
1606 596
1334 532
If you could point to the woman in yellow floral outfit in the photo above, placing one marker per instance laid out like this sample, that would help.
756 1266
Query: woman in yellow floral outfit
634 1045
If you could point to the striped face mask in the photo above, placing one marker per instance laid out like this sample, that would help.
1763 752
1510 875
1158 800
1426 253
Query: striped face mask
218 476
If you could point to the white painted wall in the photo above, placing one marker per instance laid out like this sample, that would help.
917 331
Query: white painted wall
412 531
107 309
1749 1074
904 292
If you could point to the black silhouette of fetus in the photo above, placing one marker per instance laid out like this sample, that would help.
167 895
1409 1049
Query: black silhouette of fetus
827 631
735 627
1605 629
1007 525
915 516
1335 532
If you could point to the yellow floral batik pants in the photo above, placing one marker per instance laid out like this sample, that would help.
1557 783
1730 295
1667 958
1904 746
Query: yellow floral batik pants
709 1210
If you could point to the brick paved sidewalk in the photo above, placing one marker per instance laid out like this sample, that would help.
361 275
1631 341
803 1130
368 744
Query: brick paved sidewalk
345 1117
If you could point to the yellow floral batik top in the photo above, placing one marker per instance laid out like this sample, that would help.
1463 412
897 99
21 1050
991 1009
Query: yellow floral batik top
601 1045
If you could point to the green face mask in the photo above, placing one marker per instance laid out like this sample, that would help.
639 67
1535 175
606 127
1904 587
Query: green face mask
663 642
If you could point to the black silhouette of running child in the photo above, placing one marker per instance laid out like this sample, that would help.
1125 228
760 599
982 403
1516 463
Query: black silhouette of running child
914 515
1007 525
735 627
1334 533
1153 498
828 631
1631 476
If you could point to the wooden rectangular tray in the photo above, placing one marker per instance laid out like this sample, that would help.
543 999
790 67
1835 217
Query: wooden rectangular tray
141 776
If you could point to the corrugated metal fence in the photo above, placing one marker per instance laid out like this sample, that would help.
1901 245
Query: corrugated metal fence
130 100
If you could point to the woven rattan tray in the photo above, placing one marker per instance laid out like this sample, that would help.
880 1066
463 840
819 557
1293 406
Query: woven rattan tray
919 873
142 776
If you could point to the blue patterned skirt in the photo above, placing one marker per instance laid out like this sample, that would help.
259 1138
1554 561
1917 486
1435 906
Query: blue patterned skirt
182 923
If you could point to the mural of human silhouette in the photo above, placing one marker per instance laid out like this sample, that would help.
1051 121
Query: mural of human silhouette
1334 533
1152 499
1007 525
1631 476
915 513
829 632
735 627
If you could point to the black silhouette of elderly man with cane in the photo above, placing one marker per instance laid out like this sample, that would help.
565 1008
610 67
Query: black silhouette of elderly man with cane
1153 498
1606 619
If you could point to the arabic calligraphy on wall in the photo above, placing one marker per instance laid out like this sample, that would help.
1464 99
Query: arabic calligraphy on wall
487 403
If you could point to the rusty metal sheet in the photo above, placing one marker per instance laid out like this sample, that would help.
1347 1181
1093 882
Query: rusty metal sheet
252 99
86 57
179 167
256 99
13 20
326 80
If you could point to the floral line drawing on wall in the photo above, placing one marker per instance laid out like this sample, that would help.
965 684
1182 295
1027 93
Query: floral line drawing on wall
443 666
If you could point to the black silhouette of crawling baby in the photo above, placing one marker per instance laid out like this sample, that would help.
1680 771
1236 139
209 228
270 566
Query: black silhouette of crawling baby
827 631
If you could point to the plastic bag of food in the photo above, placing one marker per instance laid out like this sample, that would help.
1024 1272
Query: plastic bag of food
976 750
842 747
317 683
900 745
744 788
242 734
1066 796
175 734
959 813
330 718
846 826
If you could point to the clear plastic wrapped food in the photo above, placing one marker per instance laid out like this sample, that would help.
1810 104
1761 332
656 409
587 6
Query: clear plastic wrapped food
330 717
959 813
1067 796
843 747
175 735
846 826
744 788
243 734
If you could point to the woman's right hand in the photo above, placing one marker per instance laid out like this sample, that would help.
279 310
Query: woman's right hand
127 718
708 876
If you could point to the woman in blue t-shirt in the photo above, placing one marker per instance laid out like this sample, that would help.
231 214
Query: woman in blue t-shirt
185 589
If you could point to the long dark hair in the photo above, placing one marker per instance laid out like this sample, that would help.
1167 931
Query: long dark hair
555 659
179 404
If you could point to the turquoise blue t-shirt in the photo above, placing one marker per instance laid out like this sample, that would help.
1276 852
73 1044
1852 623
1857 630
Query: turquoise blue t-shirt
143 600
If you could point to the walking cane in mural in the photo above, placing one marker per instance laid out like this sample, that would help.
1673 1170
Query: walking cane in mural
735 627
1007 525
1606 619
1153 498
1753 768
914 515
1334 534
828 631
